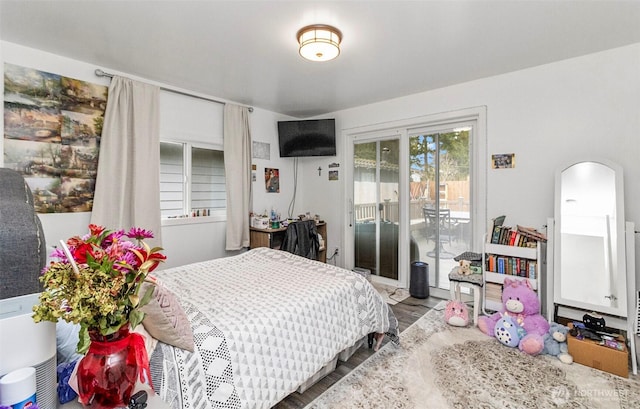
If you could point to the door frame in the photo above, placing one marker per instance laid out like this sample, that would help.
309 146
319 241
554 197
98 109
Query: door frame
401 129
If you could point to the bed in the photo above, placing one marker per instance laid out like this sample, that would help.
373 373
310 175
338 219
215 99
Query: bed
265 323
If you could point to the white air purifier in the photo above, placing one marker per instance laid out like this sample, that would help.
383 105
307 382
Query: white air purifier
23 343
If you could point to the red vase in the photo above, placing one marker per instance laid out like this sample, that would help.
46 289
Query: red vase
107 373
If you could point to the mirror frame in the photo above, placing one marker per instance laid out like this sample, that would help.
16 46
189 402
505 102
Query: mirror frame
621 309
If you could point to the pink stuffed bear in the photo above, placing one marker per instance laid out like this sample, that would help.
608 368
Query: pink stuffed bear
521 303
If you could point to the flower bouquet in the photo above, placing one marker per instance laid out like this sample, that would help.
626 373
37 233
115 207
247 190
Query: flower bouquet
96 283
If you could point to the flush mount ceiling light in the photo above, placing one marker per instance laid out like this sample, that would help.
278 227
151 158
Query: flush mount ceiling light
319 42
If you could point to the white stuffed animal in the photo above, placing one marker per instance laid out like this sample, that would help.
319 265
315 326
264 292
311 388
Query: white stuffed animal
465 267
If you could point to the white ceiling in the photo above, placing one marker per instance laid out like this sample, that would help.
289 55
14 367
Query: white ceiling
246 51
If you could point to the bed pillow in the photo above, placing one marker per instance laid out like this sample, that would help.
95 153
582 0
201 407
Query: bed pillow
164 318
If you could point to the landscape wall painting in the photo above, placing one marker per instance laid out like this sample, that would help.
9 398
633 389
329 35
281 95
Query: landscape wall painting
52 128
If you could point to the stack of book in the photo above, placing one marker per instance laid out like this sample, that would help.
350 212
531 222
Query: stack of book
493 292
521 236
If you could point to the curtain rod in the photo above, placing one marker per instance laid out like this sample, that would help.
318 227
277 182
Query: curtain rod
101 73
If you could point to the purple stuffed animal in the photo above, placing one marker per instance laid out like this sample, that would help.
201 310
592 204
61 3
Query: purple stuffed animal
521 303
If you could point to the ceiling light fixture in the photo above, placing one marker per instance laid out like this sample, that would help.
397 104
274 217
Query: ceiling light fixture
319 42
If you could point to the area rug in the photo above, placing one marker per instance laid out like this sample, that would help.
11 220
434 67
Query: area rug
439 366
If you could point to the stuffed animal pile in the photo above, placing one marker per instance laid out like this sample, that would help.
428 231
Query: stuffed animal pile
555 343
521 304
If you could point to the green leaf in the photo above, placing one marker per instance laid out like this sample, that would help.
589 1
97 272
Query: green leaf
134 299
147 296
135 318
112 329
83 339
155 250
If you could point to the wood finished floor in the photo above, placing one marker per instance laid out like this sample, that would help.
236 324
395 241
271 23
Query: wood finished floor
407 312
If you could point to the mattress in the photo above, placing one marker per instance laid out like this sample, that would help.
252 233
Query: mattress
264 322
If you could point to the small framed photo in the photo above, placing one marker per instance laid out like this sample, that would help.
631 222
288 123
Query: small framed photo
503 161
272 180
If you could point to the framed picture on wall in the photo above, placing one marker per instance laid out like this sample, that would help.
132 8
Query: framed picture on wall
272 180
52 130
503 160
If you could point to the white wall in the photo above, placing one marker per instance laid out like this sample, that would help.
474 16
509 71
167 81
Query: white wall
586 107
574 109
264 128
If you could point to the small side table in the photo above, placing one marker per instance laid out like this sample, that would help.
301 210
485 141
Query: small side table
472 281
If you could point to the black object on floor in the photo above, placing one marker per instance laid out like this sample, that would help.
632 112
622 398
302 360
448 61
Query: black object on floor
419 286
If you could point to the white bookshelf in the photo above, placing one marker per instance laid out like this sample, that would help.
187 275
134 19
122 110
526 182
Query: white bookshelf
529 253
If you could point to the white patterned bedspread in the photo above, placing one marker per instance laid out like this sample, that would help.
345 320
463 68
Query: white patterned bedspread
264 322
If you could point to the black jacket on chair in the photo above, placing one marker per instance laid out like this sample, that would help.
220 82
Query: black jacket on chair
301 238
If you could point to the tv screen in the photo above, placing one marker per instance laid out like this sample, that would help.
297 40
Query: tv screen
313 137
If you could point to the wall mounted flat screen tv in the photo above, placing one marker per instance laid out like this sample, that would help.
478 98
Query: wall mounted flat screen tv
313 137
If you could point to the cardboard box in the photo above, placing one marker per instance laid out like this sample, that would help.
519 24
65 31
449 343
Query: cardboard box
590 353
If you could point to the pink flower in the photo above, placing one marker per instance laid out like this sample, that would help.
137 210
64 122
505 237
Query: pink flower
112 237
59 254
139 233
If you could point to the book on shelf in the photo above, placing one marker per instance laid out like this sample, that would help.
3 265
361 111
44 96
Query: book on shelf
495 222
495 236
533 265
513 266
507 236
532 233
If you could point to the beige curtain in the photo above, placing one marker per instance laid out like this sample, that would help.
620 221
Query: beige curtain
128 181
237 165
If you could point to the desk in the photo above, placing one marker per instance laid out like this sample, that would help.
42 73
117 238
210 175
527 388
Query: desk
272 238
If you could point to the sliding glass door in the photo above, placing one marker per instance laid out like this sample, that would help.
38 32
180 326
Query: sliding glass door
376 183
440 197
415 191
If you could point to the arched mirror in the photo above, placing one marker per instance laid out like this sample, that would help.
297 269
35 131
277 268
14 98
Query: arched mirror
589 262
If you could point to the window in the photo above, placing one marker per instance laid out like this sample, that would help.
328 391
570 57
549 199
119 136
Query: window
192 180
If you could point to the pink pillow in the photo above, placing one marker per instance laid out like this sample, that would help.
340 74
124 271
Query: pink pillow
164 318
